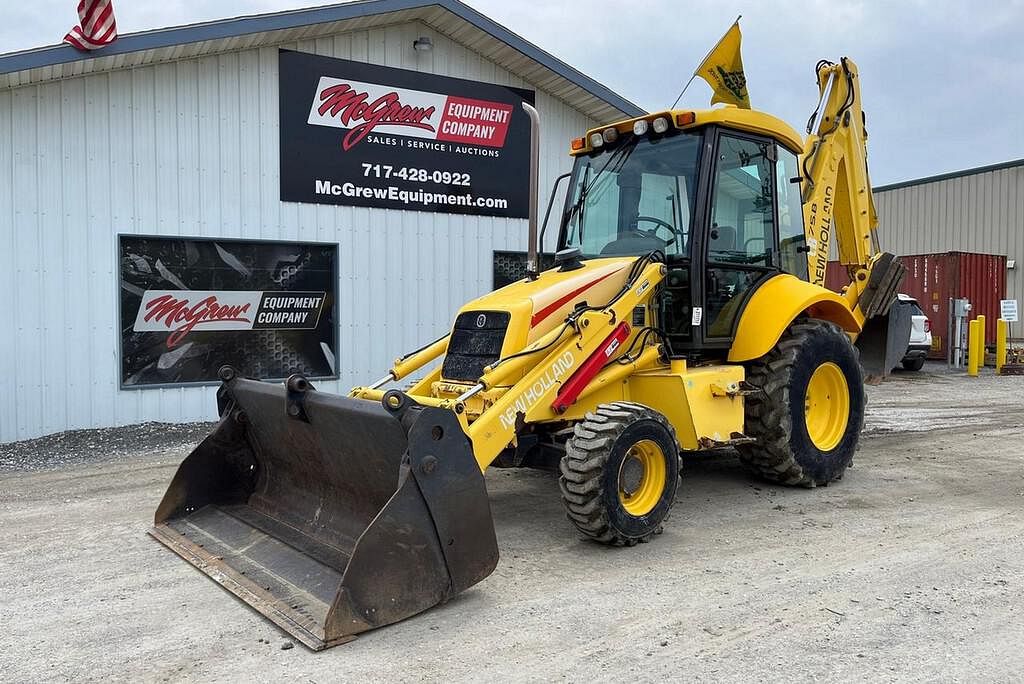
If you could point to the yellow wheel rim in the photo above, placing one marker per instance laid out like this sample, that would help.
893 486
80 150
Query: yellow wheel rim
642 477
827 406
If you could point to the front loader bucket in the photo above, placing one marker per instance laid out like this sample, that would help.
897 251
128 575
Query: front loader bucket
330 516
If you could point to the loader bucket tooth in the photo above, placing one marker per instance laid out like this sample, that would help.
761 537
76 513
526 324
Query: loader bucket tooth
329 515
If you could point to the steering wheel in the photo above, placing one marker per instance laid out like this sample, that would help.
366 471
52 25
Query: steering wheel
652 233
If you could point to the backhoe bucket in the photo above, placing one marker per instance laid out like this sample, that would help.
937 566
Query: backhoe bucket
886 335
884 341
329 515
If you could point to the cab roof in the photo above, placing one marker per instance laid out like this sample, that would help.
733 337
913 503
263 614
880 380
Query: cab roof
729 116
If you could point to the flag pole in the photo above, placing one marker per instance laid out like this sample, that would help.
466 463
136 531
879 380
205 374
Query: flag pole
703 59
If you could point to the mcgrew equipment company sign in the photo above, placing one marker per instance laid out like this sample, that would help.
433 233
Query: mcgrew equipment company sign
191 305
179 312
364 135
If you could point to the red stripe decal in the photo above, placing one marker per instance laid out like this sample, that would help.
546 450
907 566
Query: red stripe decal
559 303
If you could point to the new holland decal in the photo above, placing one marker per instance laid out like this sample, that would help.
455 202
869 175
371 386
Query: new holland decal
558 370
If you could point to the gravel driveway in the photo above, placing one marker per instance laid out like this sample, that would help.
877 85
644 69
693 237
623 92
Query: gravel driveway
911 568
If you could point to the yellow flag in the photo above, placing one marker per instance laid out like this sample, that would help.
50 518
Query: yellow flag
723 70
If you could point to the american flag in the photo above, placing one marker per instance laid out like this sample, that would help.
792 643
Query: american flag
97 28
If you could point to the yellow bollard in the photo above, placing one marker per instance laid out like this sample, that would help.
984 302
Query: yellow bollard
1001 328
981 346
972 348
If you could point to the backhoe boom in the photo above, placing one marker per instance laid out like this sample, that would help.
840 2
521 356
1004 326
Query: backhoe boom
835 184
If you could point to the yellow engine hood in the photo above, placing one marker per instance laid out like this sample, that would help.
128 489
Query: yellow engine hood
537 306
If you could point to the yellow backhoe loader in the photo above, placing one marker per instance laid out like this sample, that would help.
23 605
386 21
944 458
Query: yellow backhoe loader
686 311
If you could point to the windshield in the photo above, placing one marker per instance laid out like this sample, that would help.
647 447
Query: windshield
634 198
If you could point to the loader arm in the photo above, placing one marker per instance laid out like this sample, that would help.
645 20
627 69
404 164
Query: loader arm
575 356
540 382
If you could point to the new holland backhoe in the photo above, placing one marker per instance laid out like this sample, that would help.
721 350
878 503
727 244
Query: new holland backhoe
686 312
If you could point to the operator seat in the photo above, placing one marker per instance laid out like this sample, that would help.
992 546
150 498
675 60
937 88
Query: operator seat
723 239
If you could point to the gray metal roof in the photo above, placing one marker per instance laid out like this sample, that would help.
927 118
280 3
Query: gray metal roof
951 175
450 17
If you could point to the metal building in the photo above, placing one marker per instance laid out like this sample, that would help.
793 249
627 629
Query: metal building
176 132
976 210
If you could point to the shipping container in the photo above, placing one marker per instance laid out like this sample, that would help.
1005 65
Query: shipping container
836 276
934 279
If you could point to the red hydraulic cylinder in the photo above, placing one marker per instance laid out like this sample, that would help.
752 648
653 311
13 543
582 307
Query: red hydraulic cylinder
585 373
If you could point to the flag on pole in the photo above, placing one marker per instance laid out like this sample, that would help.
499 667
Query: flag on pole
97 28
723 70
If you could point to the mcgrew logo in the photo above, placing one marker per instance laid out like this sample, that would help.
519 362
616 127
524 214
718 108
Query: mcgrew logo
351 106
182 316
556 371
363 108
180 312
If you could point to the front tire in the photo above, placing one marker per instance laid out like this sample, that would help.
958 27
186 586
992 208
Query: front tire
808 416
620 473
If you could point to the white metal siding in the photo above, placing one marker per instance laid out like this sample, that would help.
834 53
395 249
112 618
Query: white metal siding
981 212
191 148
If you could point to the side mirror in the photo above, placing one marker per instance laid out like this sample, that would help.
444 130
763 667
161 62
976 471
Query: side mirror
547 215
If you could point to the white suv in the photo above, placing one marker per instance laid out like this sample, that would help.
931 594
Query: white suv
920 336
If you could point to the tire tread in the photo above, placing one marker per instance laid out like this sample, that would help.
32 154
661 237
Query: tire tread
767 412
582 469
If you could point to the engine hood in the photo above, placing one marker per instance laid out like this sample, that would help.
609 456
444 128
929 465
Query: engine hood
537 306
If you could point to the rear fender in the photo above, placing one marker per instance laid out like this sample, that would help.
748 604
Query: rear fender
775 305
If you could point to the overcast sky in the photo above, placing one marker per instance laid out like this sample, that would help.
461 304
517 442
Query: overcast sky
941 81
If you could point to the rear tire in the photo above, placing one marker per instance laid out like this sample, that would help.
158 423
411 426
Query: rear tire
620 473
913 364
808 416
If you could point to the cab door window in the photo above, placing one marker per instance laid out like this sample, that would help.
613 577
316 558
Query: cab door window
741 238
792 238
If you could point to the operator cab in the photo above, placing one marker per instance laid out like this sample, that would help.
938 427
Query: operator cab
715 200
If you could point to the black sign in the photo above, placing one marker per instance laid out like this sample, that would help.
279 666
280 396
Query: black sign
365 135
190 306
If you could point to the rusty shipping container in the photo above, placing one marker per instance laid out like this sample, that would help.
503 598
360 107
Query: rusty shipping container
932 279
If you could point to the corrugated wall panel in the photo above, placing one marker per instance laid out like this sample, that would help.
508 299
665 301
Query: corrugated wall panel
8 280
981 212
26 267
191 148
51 344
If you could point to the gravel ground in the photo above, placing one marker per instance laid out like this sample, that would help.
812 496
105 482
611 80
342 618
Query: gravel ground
78 447
910 569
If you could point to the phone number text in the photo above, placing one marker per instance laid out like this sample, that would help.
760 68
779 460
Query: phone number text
415 175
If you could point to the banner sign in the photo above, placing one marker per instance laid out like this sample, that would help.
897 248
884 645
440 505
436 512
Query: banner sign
190 306
365 135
